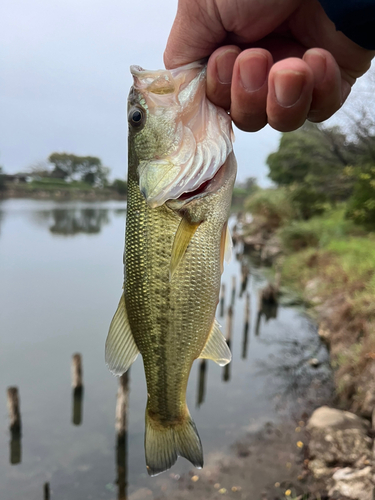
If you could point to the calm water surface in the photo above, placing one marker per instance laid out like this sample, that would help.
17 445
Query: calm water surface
60 282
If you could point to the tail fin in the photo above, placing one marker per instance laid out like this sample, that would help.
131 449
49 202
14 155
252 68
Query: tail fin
164 444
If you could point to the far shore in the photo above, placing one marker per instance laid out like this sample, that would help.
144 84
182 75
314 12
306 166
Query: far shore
88 194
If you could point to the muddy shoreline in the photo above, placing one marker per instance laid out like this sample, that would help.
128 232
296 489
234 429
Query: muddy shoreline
329 444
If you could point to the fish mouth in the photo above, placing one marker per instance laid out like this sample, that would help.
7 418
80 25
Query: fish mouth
206 188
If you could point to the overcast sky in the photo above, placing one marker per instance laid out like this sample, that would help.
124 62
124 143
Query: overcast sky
64 80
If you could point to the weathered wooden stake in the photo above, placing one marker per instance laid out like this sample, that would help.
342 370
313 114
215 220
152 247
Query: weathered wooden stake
246 328
233 290
77 375
201 382
77 384
122 404
14 409
15 425
46 491
222 300
121 429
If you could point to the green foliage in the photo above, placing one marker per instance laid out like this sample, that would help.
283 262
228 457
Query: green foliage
297 236
88 169
307 201
51 184
120 186
271 204
314 157
318 231
361 206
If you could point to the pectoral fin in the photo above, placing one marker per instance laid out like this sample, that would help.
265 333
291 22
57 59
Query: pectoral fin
184 234
120 347
216 347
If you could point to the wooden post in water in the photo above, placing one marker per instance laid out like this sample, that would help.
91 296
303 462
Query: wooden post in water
46 495
246 328
228 338
222 300
77 374
78 390
121 430
14 409
233 290
15 425
201 382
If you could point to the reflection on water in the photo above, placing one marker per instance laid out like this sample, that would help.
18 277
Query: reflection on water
68 289
293 369
269 311
77 406
15 447
85 220
201 392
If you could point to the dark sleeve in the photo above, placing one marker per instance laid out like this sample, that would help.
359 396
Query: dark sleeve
355 18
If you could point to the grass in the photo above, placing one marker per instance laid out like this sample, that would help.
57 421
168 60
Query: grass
331 261
56 184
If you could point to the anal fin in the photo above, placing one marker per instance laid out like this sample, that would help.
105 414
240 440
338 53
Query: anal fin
216 347
184 234
120 347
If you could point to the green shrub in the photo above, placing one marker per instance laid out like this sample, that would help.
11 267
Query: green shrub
120 186
298 236
361 206
273 205
307 201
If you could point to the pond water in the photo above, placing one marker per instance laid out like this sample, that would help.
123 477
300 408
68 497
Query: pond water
60 281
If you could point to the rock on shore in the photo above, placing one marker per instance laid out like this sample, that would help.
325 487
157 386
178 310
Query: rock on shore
340 449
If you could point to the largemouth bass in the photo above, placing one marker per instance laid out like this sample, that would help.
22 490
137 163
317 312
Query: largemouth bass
180 179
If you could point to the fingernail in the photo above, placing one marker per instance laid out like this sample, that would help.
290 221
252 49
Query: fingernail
253 79
224 66
345 90
288 87
318 64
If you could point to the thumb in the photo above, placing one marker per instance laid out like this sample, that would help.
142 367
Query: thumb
196 32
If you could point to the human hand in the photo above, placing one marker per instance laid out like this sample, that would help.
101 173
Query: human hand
270 61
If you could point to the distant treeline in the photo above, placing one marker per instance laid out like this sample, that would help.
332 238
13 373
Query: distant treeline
66 171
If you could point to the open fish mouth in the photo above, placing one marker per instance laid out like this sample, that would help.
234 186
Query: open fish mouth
207 187
202 134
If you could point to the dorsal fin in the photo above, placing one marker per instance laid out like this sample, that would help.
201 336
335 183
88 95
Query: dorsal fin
184 234
120 348
216 347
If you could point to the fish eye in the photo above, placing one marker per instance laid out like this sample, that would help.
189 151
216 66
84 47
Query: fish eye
136 116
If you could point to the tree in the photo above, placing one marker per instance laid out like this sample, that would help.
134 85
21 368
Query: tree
315 156
39 169
88 169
